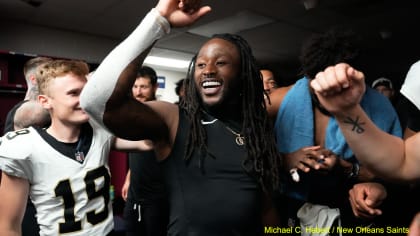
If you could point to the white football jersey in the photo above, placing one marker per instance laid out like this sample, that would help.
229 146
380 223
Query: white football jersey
71 198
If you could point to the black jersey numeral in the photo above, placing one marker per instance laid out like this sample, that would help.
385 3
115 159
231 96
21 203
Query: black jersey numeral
63 189
92 216
12 135
70 224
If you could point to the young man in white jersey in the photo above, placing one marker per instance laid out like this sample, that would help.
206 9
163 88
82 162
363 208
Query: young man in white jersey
64 168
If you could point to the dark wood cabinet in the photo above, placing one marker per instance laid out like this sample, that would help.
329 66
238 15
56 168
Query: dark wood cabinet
11 67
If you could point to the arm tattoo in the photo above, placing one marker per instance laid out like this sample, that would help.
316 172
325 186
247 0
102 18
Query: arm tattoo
357 125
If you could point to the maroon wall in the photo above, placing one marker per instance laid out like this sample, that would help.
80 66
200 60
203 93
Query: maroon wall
118 165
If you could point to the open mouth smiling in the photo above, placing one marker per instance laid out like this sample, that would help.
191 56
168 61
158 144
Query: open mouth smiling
211 84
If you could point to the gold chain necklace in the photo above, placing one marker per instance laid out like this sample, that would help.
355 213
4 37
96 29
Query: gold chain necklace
240 140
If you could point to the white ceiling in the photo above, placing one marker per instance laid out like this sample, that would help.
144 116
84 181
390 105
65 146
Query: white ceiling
276 38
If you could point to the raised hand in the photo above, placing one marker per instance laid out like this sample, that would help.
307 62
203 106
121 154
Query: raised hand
181 13
339 87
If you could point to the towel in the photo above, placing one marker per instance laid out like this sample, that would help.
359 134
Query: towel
317 220
294 127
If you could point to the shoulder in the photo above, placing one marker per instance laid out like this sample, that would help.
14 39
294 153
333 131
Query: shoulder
97 127
169 112
381 112
100 134
9 124
276 98
18 144
163 107
376 101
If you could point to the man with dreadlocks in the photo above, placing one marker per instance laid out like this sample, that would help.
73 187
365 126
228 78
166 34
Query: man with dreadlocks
322 166
217 149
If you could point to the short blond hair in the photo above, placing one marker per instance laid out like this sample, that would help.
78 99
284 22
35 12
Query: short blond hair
55 68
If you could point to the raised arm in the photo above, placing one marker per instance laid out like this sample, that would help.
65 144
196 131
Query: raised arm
340 89
105 97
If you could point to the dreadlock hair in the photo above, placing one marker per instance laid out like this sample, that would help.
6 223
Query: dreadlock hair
263 159
332 47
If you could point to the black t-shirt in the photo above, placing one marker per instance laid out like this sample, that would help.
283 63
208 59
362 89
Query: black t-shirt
217 198
146 180
9 124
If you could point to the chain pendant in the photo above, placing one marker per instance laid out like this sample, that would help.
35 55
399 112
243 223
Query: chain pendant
240 140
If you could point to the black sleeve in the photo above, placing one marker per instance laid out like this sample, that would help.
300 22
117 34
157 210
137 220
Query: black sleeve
9 124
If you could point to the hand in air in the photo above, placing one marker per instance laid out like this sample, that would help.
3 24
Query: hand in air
339 87
180 13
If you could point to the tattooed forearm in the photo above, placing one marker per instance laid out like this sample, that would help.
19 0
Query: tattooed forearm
357 125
